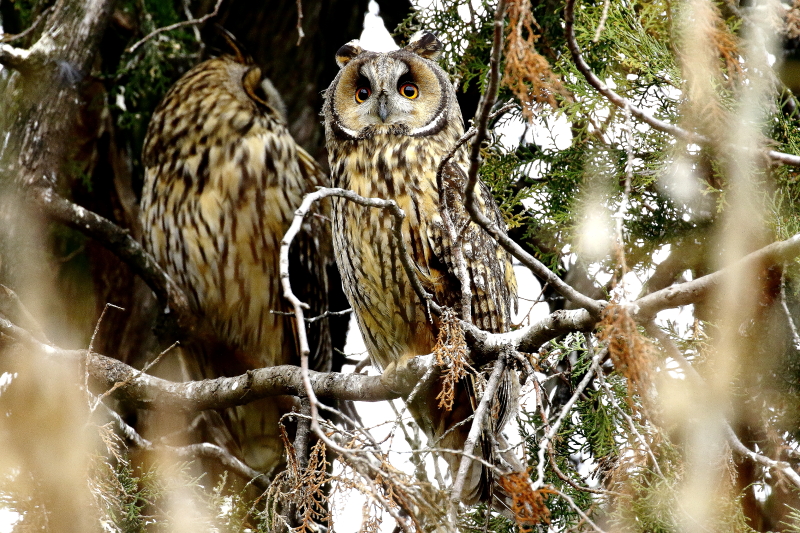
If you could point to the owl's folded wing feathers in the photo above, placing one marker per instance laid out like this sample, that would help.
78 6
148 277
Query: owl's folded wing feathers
488 265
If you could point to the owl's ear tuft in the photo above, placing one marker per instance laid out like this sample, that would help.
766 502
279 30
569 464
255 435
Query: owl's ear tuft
348 52
425 44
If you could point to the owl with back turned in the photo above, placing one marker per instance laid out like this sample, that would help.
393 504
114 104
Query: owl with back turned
390 120
223 178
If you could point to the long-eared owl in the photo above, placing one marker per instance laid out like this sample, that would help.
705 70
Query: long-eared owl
223 179
390 120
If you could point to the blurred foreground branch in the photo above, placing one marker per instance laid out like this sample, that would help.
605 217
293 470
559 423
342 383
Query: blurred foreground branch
780 467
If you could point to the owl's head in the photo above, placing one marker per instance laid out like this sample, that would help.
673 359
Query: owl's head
402 92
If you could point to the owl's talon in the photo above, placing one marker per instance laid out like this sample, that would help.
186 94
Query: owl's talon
398 378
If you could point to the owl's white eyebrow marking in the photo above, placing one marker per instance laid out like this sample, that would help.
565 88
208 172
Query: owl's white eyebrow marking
434 124
347 131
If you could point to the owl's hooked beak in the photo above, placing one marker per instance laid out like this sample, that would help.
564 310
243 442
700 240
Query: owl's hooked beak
383 106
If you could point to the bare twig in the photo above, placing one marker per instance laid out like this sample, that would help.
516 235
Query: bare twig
300 33
7 37
478 426
175 26
603 18
204 449
119 384
13 309
565 410
577 509
91 348
551 451
317 318
628 419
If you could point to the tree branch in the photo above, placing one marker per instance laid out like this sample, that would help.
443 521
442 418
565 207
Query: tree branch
119 242
13 57
621 102
484 346
565 410
175 26
204 449
645 308
7 38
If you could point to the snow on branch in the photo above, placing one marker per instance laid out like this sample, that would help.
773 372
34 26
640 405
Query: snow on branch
13 57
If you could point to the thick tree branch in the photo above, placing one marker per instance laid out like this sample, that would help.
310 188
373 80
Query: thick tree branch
149 392
119 241
485 347
46 95
645 308
622 103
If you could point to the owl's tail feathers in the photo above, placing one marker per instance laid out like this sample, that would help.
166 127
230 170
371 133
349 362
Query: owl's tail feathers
255 427
481 483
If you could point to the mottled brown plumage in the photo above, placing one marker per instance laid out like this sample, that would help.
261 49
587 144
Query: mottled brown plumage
386 140
223 178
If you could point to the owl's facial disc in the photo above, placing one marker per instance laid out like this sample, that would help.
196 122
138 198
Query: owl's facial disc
390 93
378 95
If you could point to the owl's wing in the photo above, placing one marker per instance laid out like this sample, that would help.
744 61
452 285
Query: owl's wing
488 265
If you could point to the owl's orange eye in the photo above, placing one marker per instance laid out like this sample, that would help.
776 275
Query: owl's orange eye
362 93
409 90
